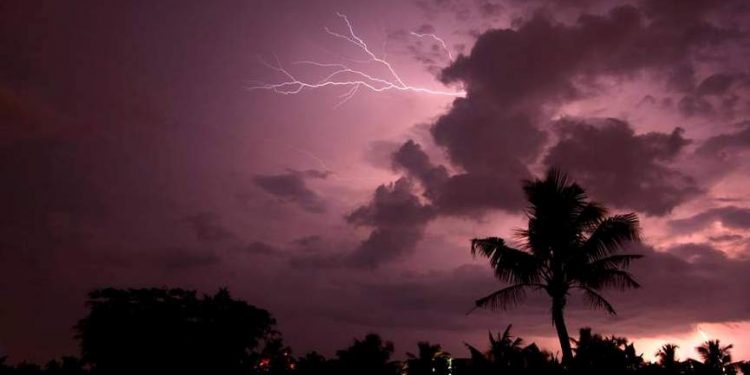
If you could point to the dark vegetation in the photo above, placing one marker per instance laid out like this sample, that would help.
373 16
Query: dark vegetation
570 244
159 331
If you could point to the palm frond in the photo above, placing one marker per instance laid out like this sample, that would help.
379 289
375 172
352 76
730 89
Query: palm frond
556 188
589 216
615 261
611 234
506 333
609 278
510 265
504 298
476 355
597 301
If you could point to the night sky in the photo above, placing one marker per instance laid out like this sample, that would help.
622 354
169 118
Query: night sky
140 145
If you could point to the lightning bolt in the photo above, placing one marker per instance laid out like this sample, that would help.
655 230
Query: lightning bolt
437 39
703 334
342 75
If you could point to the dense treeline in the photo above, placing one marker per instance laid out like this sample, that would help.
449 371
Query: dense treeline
175 331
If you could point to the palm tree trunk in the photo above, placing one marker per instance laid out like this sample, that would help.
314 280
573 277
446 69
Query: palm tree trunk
558 304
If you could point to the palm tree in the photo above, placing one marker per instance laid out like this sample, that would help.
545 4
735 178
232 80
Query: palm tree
570 243
667 355
716 358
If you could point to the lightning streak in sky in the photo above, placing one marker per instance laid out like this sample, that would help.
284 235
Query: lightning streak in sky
437 39
703 334
344 75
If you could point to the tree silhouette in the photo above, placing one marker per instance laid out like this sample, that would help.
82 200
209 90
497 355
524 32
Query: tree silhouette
429 360
744 367
717 359
67 366
366 357
275 358
507 355
570 243
313 363
595 354
667 358
170 331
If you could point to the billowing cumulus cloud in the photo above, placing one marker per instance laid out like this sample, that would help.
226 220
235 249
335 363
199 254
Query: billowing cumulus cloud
465 194
542 59
398 219
515 76
622 168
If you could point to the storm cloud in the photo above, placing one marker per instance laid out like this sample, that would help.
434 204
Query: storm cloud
622 168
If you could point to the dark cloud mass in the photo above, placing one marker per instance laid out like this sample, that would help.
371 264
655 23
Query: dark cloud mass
685 284
622 168
688 283
680 286
462 193
291 186
718 95
727 147
513 77
542 58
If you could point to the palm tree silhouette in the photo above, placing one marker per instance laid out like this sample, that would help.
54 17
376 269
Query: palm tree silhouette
570 243
716 358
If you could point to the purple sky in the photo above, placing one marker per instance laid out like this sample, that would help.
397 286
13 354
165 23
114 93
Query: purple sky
133 154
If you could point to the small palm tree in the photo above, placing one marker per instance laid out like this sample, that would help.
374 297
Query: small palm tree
716 358
570 243
506 354
504 348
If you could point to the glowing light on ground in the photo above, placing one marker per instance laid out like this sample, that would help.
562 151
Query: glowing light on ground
343 75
